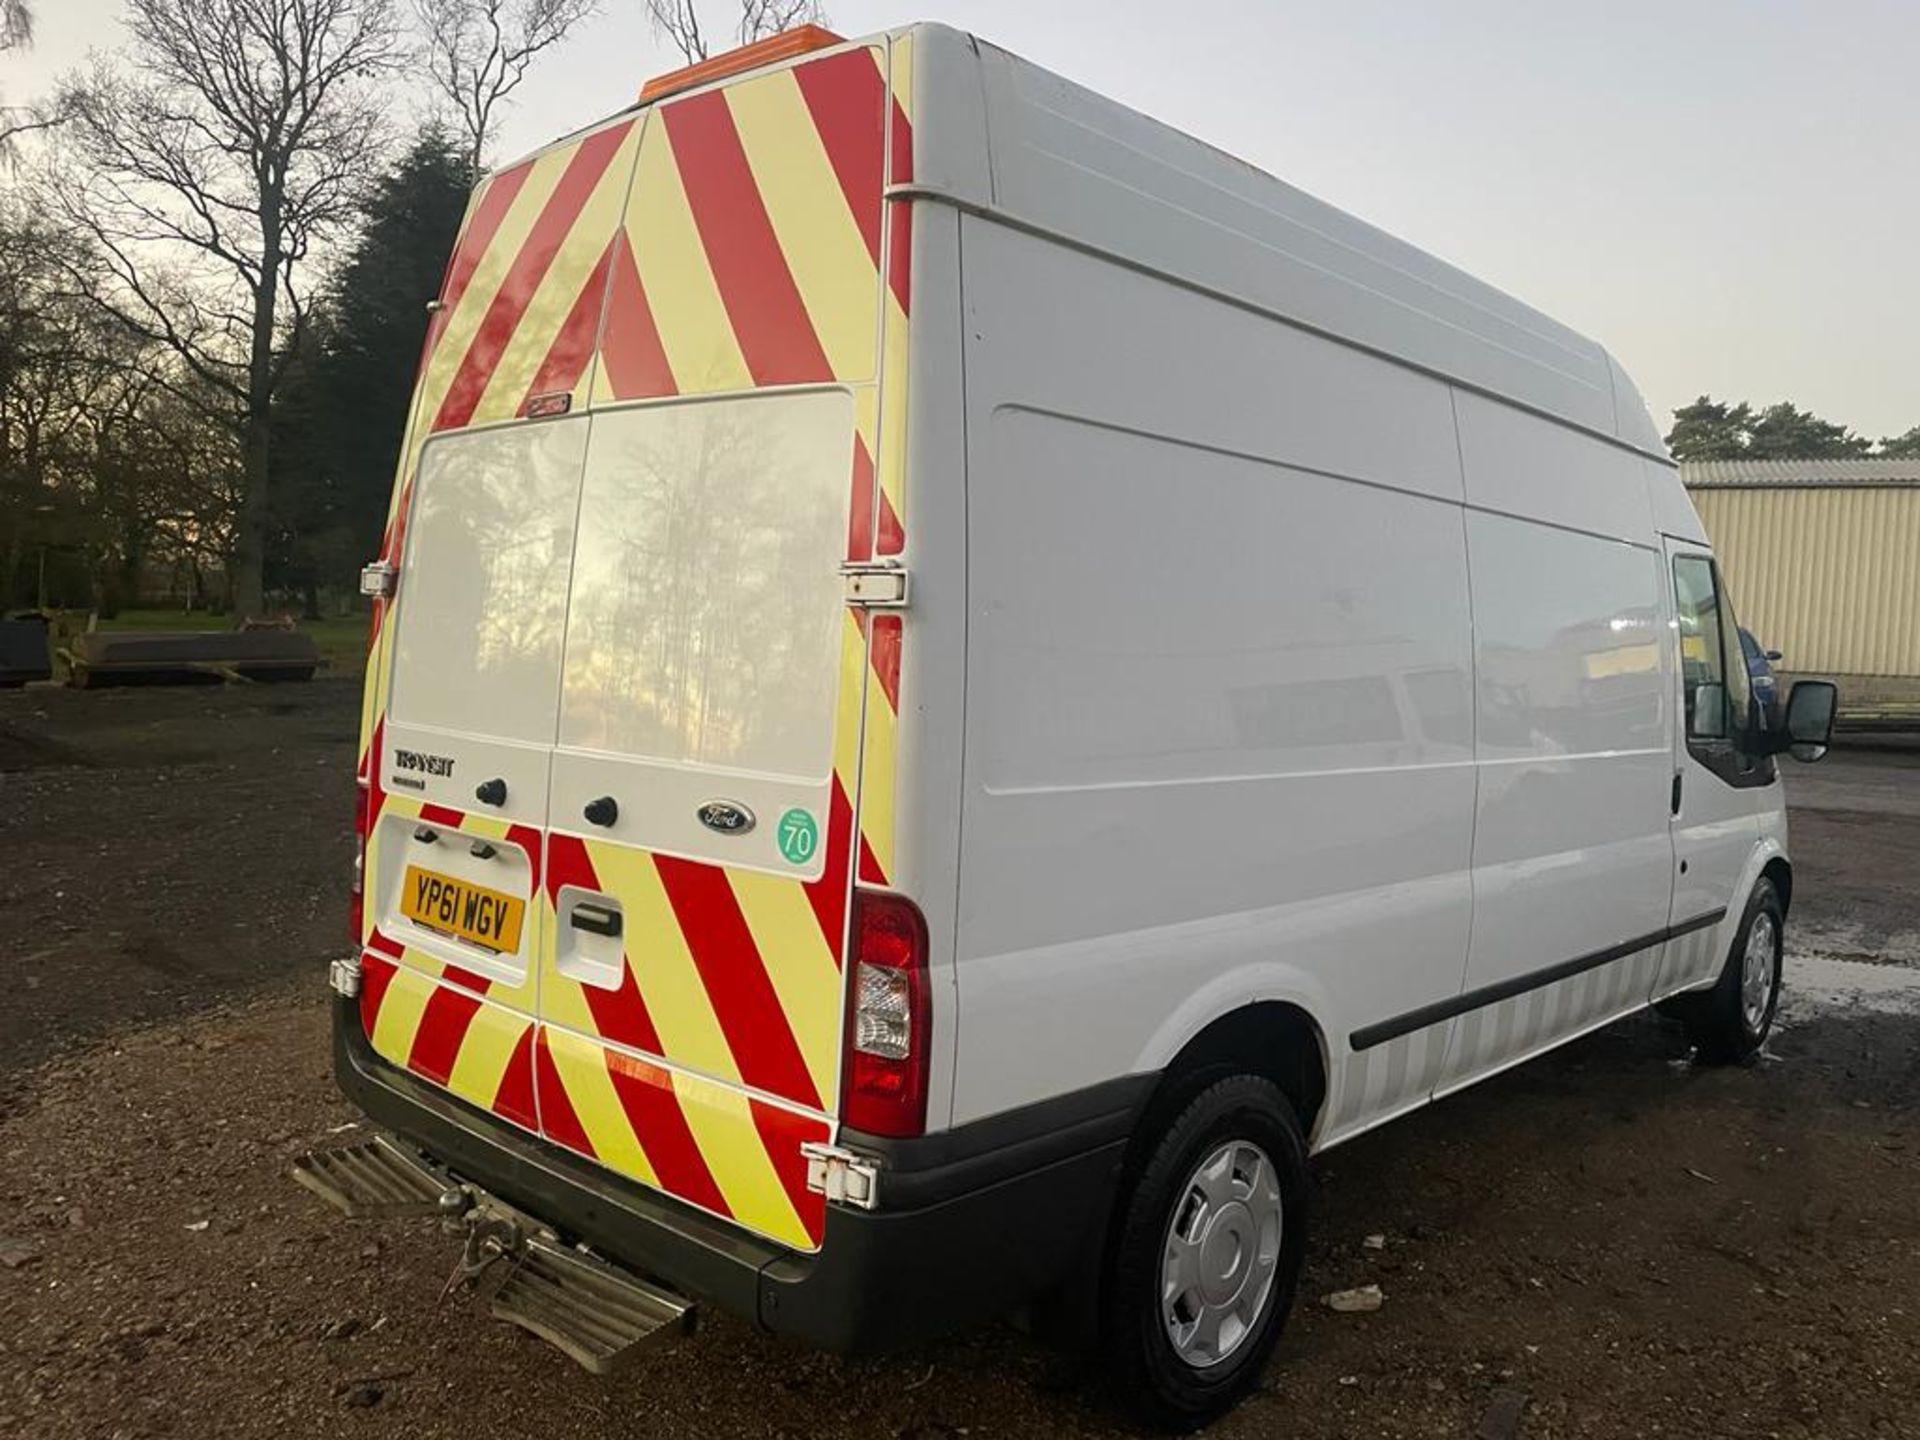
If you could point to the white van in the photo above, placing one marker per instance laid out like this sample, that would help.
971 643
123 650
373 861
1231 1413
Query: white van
961 681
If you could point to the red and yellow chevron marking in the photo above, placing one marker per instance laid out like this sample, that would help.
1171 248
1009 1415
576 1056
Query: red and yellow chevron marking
727 240
749 251
442 1032
712 1145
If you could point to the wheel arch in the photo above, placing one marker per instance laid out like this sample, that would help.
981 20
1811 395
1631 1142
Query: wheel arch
1779 870
1277 1039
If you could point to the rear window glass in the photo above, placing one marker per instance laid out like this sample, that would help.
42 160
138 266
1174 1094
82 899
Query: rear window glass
483 596
705 624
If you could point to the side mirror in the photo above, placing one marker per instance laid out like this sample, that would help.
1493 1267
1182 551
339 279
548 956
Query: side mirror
1708 720
1809 724
1775 656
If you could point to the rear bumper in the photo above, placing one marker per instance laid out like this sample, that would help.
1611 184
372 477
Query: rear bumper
972 1222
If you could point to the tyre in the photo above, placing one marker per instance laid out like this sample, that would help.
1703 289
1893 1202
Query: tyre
1206 1254
1730 1022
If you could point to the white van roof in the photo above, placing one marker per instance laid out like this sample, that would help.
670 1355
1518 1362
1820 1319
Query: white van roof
998 134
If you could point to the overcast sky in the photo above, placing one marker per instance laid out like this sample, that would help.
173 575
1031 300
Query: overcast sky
1722 191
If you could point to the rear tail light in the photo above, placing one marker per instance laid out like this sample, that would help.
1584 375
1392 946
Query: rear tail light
357 901
889 1020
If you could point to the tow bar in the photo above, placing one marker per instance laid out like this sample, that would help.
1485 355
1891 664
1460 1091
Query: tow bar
596 1312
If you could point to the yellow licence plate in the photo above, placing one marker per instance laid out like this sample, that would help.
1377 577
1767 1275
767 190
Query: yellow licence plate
472 912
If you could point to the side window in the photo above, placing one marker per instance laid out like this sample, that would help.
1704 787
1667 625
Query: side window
1703 650
1716 688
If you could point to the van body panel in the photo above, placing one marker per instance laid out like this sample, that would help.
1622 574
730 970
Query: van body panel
1085 167
1271 757
1633 417
1698 966
1673 512
1573 718
1524 465
952 149
930 723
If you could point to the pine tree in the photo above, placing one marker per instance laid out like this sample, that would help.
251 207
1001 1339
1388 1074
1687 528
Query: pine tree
344 413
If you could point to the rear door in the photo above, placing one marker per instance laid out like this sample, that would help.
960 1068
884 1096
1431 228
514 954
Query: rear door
701 804
454 856
707 750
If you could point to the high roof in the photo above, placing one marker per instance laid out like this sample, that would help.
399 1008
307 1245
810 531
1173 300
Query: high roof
1003 137
1809 474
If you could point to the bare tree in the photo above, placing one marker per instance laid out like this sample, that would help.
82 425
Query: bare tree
478 51
16 24
242 139
99 461
678 21
16 32
760 18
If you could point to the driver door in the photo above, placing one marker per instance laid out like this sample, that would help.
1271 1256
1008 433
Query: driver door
1716 784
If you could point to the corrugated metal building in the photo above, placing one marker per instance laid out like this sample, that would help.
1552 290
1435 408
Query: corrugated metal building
1823 560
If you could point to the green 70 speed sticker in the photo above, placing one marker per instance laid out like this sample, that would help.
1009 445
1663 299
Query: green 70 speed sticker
799 836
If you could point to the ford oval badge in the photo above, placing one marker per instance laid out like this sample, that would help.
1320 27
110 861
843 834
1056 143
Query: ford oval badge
726 817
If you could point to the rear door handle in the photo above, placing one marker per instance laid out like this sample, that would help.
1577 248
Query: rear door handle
596 920
1677 778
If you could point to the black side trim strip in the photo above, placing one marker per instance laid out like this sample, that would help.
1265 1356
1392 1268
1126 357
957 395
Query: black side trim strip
1699 922
1369 1036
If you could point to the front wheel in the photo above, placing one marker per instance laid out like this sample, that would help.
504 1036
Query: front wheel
1207 1254
1730 1022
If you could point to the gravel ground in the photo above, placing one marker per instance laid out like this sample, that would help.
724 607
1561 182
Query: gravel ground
1607 1242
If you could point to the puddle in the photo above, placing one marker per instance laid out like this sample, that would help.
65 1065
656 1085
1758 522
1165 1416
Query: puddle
1848 940
1821 984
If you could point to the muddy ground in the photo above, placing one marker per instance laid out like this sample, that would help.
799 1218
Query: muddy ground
1608 1242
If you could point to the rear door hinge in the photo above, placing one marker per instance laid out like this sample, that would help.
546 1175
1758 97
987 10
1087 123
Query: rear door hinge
344 976
377 579
841 1175
875 584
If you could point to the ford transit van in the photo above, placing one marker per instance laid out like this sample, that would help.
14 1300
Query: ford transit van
961 681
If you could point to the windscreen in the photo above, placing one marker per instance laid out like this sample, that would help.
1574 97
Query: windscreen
484 589
705 622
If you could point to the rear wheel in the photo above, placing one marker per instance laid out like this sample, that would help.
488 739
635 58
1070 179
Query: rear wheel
1207 1254
1730 1022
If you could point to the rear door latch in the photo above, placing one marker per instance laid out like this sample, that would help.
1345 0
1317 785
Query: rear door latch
841 1175
875 584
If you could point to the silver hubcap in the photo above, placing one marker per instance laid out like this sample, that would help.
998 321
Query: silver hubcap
1757 969
1223 1247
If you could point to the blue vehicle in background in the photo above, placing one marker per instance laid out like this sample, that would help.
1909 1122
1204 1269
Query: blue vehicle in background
1766 688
